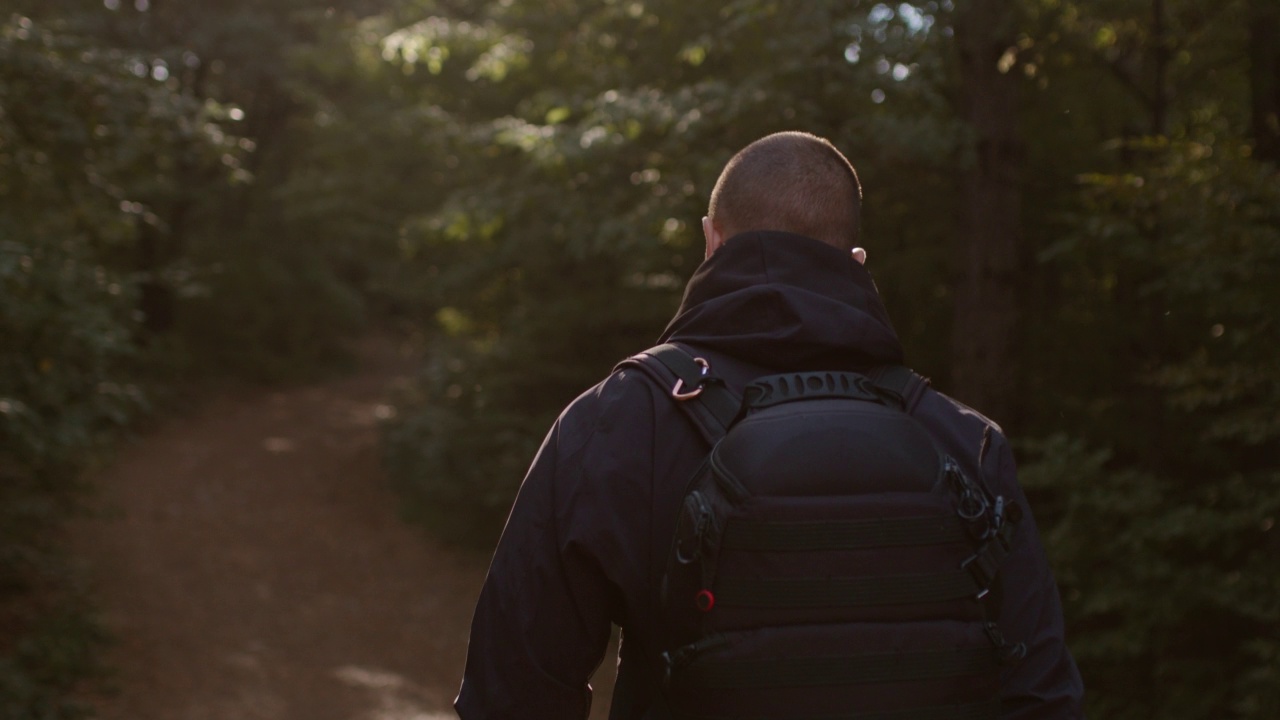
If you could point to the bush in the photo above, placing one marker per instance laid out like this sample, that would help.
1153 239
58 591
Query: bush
269 313
65 340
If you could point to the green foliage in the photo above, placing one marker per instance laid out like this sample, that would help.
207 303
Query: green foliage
66 327
1169 586
1165 545
1162 262
66 333
274 314
41 675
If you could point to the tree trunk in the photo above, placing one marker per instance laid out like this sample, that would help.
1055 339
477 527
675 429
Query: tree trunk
155 296
1161 54
1264 78
159 247
985 370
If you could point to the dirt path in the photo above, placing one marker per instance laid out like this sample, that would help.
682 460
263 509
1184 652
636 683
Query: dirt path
252 566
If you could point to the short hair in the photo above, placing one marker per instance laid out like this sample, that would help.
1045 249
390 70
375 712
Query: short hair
789 181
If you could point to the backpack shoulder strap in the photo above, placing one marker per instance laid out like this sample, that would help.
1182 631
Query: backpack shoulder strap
902 383
702 395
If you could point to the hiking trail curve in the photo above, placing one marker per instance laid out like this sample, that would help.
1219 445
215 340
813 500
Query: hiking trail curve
251 565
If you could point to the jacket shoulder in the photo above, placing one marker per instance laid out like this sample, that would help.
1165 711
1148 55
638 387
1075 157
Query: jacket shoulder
968 436
622 398
945 405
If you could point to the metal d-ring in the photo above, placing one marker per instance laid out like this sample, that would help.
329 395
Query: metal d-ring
676 391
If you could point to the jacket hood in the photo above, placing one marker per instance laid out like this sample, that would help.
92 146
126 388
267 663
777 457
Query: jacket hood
786 302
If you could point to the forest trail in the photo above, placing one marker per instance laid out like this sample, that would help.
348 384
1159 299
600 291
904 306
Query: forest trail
251 565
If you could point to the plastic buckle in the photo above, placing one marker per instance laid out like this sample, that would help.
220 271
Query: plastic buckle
1009 652
678 391
1005 524
970 505
982 567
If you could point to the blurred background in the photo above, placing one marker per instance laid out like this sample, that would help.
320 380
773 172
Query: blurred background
1072 209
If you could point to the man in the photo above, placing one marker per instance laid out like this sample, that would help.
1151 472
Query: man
783 288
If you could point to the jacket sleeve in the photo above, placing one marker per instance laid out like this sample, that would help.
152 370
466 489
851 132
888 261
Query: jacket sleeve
544 615
1045 684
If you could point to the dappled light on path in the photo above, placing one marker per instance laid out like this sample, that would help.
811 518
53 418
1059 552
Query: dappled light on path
395 697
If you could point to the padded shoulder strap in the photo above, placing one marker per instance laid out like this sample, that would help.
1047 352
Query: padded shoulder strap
692 383
901 381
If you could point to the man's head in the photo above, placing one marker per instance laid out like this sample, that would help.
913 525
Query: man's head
789 181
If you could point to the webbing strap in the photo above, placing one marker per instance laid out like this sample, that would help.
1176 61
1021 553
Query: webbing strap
985 563
902 382
817 592
816 535
840 670
715 407
989 710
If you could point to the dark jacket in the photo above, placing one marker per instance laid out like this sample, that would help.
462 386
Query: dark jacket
588 537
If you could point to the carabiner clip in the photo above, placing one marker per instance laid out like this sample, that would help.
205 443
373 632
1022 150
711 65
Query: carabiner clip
678 392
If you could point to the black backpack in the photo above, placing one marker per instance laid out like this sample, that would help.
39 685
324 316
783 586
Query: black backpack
830 562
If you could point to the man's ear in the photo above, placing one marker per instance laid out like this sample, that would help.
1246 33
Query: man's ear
860 255
713 236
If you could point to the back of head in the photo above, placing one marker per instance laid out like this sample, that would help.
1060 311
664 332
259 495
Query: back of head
789 181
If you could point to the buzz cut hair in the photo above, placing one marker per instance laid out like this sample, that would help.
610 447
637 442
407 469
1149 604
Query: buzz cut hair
793 182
